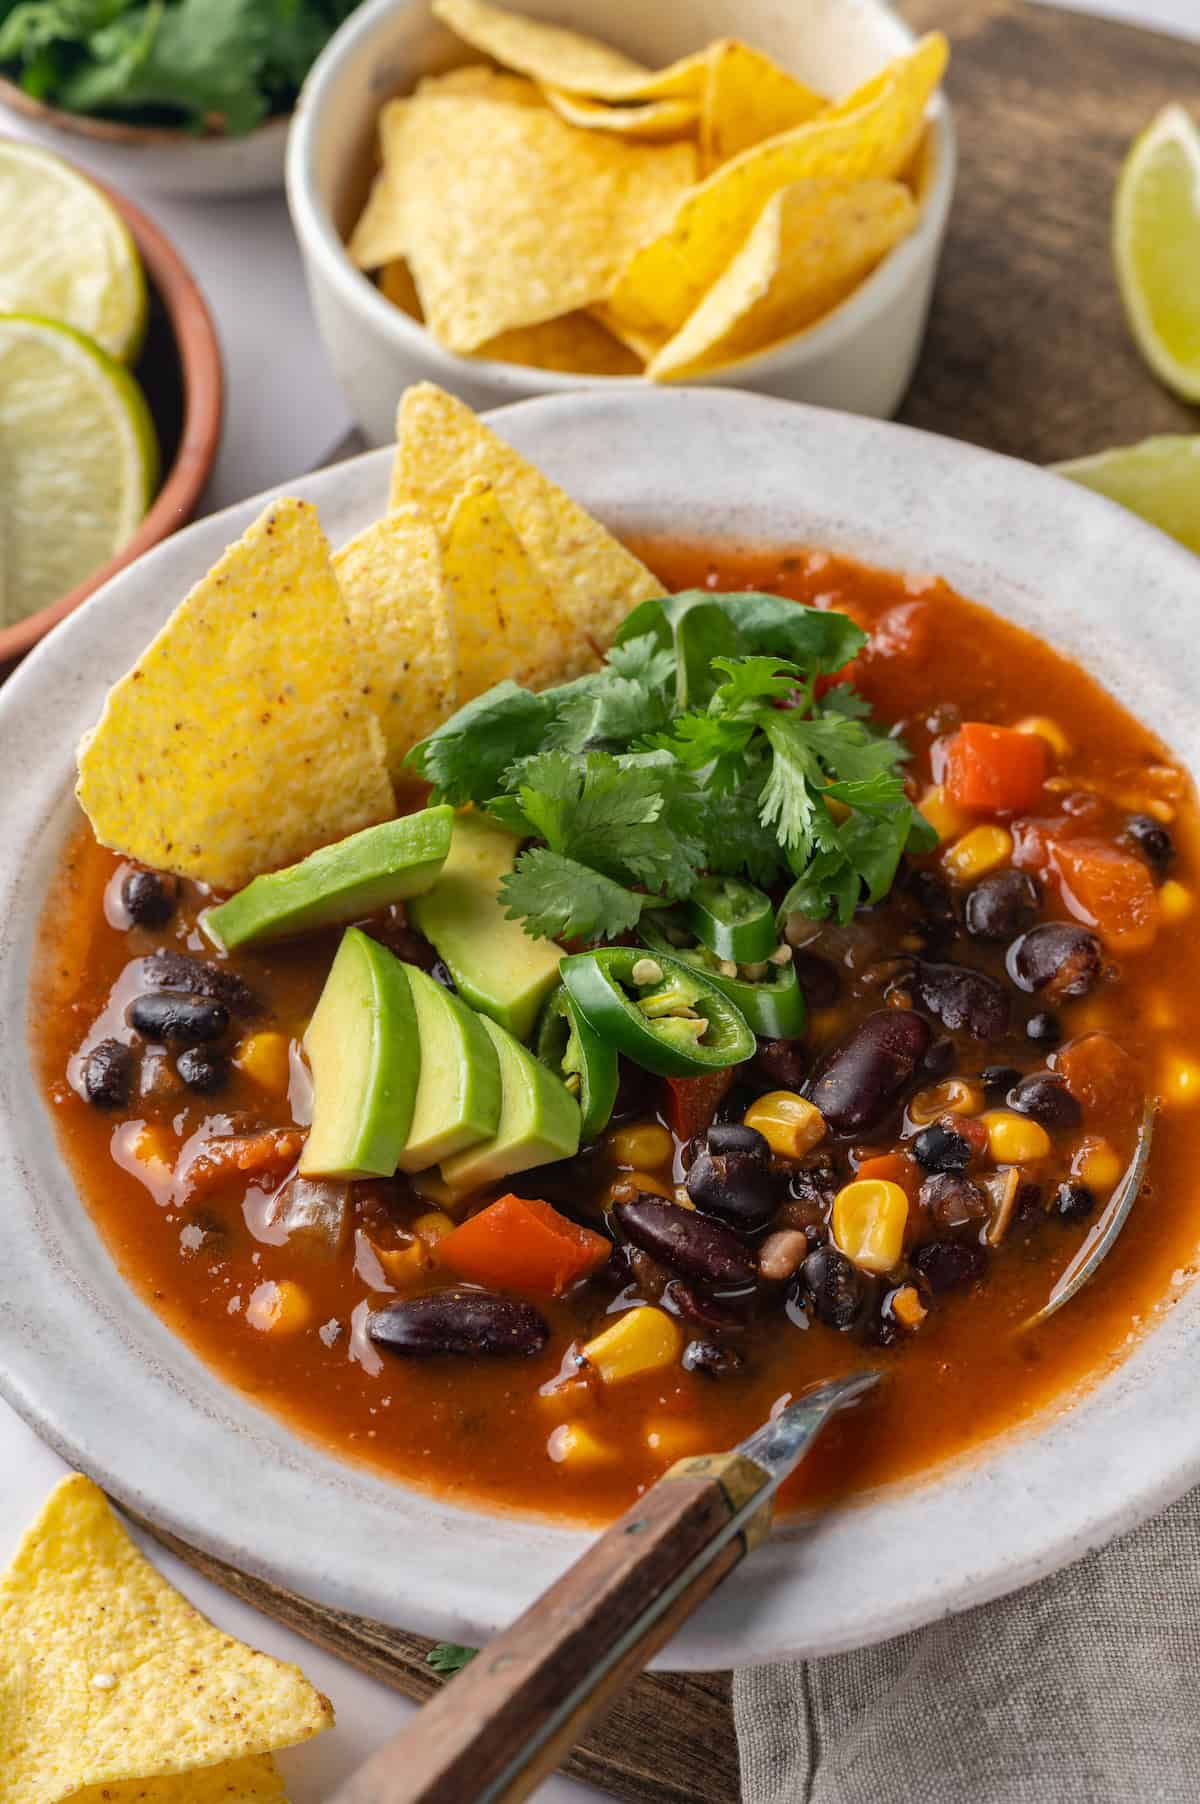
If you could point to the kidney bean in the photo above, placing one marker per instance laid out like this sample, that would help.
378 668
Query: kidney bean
952 1199
940 1148
149 898
836 1288
458 1321
1152 841
1057 957
1073 1202
731 1178
859 1081
713 1360
817 978
1002 905
782 1063
962 998
947 1264
196 977
706 1312
1045 1098
108 1073
1044 1028
185 1019
687 1242
203 1071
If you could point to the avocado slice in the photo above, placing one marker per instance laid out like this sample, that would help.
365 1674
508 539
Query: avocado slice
342 882
539 1120
496 967
365 1059
458 1092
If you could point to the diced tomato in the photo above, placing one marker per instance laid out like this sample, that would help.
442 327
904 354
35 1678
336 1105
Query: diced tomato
521 1243
994 770
219 1161
1103 1079
1108 891
692 1101
894 1168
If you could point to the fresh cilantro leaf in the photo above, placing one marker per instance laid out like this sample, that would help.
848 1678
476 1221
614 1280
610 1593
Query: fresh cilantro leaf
467 758
607 709
643 660
558 898
753 681
449 1657
821 639
604 814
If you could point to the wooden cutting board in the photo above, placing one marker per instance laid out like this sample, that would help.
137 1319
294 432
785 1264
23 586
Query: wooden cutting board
1027 353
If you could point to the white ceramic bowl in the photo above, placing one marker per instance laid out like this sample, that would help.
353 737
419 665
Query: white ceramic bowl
96 1371
860 358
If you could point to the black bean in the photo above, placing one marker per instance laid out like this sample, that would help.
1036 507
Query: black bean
947 1264
940 1060
1028 1205
736 1101
736 1137
1003 905
685 1241
394 932
458 1321
817 978
1057 957
962 998
1045 1098
836 1289
1044 1028
1073 1202
859 1081
939 1148
197 977
1152 841
953 1200
997 1081
731 1178
108 1072
184 1019
935 899
713 1360
781 1063
203 1070
149 898
706 1312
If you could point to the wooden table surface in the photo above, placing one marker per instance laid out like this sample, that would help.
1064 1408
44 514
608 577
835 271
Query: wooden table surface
1027 353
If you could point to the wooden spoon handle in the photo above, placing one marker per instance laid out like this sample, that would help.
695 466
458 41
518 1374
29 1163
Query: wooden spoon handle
511 1716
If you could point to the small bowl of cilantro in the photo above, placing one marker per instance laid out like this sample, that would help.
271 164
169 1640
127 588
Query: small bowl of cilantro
181 96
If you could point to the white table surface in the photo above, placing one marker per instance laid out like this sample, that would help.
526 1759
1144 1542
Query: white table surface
283 415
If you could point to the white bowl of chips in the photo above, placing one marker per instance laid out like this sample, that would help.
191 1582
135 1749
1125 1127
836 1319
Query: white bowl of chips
548 193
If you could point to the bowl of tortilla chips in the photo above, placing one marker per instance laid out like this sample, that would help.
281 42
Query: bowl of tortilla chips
591 192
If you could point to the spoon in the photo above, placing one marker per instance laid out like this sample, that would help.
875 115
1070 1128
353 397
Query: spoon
1102 1237
507 1719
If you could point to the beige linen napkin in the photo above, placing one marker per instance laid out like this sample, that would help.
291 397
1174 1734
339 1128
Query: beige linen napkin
1081 1689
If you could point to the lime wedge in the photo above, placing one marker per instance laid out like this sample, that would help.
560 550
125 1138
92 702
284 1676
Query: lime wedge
1158 479
1156 247
78 460
66 253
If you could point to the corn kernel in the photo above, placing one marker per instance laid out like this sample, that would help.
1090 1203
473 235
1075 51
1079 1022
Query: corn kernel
643 1144
1015 1139
1049 730
1097 1165
675 1437
640 1340
627 1186
789 1124
433 1226
907 1307
432 1188
954 1096
266 1060
982 850
1174 901
869 1218
404 1266
1181 1080
571 1444
279 1308
946 818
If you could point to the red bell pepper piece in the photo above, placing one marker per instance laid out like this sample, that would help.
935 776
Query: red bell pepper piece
995 770
521 1243
692 1101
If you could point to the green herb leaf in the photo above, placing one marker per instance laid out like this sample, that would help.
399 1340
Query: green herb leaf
468 757
449 1657
558 898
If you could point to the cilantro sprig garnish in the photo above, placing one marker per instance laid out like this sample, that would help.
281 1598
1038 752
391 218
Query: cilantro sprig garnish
701 745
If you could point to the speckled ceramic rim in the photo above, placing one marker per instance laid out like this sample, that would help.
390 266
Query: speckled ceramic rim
322 240
108 1385
203 400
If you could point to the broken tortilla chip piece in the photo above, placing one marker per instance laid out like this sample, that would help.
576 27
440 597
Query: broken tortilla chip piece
813 244
379 236
508 216
577 343
550 54
486 83
747 98
871 135
253 1781
649 120
393 585
506 623
240 741
108 1675
397 286
441 446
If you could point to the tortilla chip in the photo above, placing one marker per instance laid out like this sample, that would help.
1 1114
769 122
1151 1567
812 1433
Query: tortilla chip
486 83
813 244
240 740
397 286
870 136
394 589
379 236
254 1781
506 622
441 446
577 343
554 57
648 120
111 1675
644 345
511 217
747 98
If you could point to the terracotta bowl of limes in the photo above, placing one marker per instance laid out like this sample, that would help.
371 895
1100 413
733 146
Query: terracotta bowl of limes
110 390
